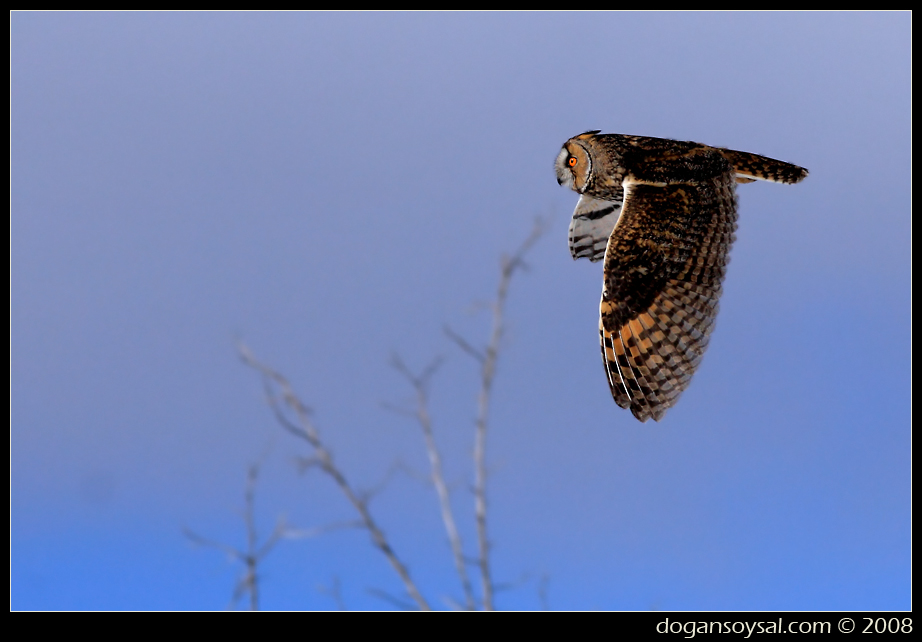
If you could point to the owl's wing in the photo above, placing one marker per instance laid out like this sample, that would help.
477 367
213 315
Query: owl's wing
591 226
663 269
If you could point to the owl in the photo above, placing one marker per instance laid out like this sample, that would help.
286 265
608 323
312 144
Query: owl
661 215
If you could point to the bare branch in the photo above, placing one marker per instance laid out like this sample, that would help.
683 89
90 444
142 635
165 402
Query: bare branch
427 374
414 474
243 586
295 417
453 604
420 385
387 597
304 464
523 579
542 591
335 593
420 381
304 428
368 494
252 559
198 540
305 533
248 582
464 345
509 265
397 410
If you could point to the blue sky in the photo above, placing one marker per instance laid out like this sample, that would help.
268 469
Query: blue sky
335 188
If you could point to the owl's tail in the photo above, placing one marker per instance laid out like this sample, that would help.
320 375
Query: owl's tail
751 167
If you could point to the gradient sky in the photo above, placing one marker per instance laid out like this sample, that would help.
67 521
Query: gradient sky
335 188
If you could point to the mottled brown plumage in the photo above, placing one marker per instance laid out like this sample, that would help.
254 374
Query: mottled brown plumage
662 214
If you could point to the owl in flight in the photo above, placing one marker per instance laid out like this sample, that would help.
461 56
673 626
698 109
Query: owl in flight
662 215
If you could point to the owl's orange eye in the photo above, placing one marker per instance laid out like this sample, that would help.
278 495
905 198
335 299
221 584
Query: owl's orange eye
571 161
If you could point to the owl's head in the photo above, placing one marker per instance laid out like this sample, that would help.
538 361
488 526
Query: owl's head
574 162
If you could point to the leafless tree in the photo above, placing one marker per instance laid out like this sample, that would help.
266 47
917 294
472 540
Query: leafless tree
295 417
487 359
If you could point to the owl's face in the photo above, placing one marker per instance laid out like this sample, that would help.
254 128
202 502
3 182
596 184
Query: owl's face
590 164
574 165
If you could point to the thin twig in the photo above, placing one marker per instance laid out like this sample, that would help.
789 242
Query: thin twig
335 593
248 582
542 591
305 429
198 540
464 345
487 373
420 385
387 597
252 560
366 495
304 533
